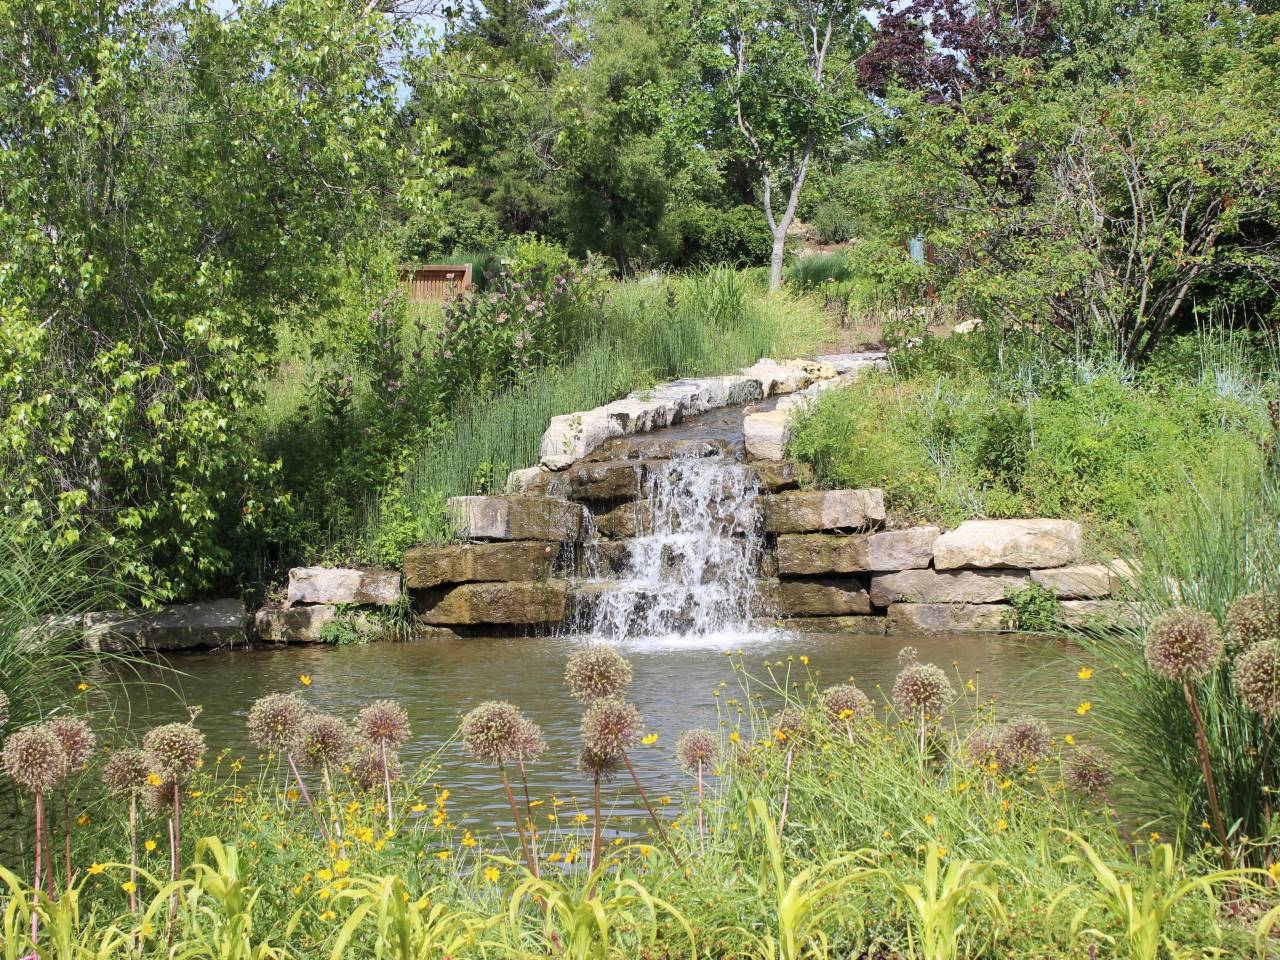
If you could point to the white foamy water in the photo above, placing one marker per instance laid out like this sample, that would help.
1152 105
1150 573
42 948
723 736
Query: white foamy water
688 579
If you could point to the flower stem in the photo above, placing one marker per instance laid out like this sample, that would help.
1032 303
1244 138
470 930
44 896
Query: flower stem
1202 743
386 778
786 792
595 827
662 830
511 800
306 795
35 916
528 805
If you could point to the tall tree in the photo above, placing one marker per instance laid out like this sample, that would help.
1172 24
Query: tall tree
782 76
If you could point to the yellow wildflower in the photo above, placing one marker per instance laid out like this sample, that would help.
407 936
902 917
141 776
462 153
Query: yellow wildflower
649 739
95 869
304 679
149 846
492 873
128 886
1085 707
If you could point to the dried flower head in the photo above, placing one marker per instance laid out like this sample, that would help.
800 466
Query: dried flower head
493 731
77 738
33 758
1252 618
157 798
844 702
125 771
322 740
174 750
922 688
908 656
611 726
981 746
366 765
529 742
383 722
597 671
600 765
1022 742
1256 678
4 708
1087 772
274 720
696 749
788 723
1183 644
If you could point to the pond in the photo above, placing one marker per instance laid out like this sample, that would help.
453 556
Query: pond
680 682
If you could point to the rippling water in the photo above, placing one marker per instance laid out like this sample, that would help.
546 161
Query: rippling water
675 684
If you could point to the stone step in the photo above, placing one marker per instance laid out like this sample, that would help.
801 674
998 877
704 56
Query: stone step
516 517
1033 544
349 585
426 567
804 554
815 511
945 586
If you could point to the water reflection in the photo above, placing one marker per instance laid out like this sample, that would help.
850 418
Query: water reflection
675 688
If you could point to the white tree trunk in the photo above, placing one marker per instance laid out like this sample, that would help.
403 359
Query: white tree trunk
779 248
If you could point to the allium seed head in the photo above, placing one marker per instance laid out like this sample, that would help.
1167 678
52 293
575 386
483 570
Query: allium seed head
600 765
1183 644
788 723
596 672
1256 678
922 688
77 738
611 726
174 750
529 743
322 740
696 749
845 702
1087 772
125 771
383 722
366 765
1251 619
274 720
157 798
1021 742
492 731
4 708
981 746
33 758
908 656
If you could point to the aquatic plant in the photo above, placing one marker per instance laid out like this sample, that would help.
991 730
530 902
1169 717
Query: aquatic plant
597 671
1255 675
1252 618
1183 645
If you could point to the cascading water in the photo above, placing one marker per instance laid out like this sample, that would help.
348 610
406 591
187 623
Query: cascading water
689 575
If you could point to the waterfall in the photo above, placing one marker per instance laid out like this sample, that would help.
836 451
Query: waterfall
689 575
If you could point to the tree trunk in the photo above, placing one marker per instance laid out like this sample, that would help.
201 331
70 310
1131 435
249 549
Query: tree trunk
775 260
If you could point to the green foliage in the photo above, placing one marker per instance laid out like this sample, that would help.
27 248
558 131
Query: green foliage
939 904
978 426
1035 608
705 235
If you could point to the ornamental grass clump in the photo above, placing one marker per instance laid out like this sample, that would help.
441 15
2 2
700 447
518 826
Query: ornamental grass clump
1255 676
497 732
1183 645
33 759
385 725
1252 618
125 775
597 671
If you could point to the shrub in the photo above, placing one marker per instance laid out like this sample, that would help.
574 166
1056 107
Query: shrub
705 235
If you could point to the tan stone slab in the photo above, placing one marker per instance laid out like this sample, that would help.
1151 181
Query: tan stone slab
426 567
500 603
822 597
864 625
814 511
944 586
1087 581
349 585
1083 614
516 517
986 544
949 617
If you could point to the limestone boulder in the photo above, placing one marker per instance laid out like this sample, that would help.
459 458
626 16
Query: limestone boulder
571 436
520 602
187 626
351 585
857 625
538 481
1099 614
942 586
426 567
294 624
914 618
846 363
1034 544
776 475
516 518
806 511
1081 581
889 550
766 434
787 376
820 597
